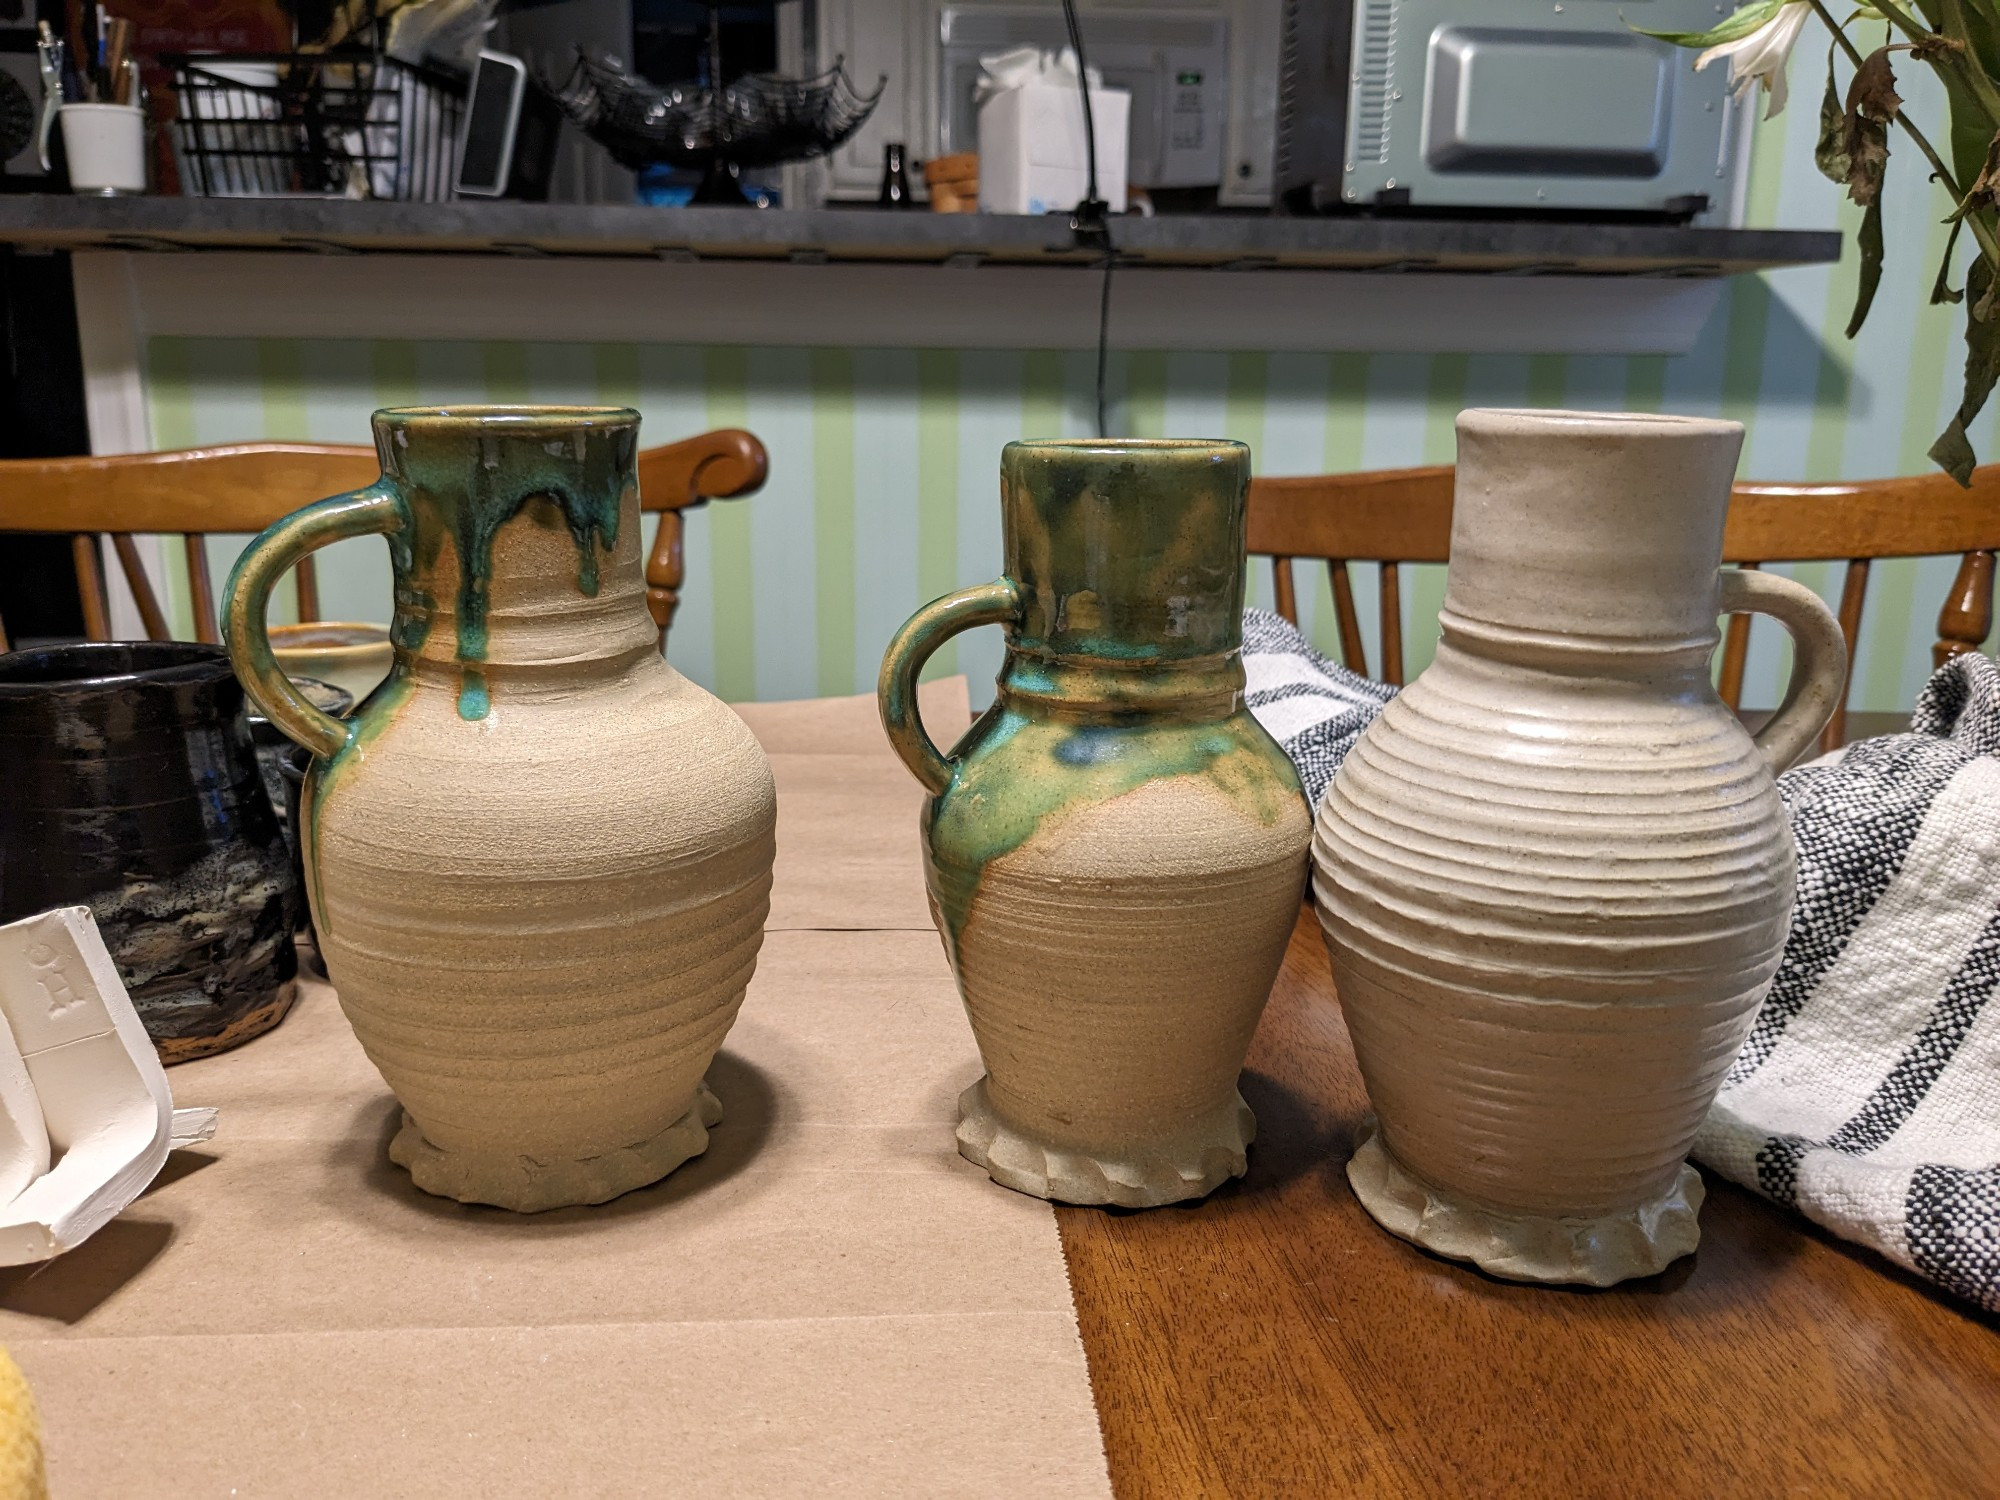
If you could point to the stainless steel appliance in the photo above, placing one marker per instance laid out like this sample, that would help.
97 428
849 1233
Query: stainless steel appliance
1504 105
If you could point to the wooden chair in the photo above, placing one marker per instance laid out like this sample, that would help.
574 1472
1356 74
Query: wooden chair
1401 516
245 487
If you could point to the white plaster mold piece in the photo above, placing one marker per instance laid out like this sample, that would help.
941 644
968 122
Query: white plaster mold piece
80 1086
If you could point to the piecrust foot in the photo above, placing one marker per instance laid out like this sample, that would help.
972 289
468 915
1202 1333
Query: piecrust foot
1602 1251
1191 1167
526 1185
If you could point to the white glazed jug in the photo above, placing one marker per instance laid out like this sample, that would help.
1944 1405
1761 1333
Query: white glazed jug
1555 875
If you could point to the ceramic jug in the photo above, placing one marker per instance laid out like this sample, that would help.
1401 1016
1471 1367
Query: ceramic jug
539 858
1116 850
1555 875
132 788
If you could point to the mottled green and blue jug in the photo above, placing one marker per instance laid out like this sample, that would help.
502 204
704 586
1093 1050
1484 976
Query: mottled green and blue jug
1116 850
539 858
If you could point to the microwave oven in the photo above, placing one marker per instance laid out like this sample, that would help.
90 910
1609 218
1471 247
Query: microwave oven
1512 106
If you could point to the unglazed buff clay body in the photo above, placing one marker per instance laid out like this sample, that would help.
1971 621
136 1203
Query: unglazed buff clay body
540 858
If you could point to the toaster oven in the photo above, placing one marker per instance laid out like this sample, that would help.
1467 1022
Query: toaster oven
1507 106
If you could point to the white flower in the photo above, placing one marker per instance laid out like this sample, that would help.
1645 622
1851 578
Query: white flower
1760 56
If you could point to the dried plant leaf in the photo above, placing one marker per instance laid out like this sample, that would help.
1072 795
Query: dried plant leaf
1830 154
1870 242
1872 103
1873 91
1952 452
1867 145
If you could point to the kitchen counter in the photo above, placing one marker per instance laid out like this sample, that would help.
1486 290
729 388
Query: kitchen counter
1229 242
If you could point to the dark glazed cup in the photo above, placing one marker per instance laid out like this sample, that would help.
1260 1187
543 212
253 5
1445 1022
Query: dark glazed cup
131 787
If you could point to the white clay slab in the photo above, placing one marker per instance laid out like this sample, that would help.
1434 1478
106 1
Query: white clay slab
101 1093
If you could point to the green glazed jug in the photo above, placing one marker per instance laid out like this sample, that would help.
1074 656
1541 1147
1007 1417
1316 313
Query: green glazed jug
1116 850
539 858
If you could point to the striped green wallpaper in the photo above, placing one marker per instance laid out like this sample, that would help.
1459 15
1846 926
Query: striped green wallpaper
883 485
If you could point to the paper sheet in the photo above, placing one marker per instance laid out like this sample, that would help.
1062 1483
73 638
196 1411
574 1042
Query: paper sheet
830 1302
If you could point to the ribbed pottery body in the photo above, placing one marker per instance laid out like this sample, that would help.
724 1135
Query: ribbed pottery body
1117 862
1555 876
541 869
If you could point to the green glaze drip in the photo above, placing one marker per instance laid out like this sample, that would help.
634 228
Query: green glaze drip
456 477
465 486
1017 772
474 701
1122 665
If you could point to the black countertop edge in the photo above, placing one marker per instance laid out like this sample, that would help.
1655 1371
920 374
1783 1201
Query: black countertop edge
815 236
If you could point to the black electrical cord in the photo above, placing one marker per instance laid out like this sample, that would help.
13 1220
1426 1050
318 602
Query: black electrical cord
1103 338
1091 202
1090 221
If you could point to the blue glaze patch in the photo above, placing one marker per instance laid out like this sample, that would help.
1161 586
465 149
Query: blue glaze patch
1091 747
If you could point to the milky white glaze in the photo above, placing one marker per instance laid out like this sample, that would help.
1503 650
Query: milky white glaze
1555 876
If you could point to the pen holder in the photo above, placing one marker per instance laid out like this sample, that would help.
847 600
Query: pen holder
106 146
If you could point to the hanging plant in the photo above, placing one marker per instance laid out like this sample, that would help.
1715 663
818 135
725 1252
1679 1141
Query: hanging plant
1960 41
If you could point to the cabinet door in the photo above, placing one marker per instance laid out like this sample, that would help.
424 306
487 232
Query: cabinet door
895 39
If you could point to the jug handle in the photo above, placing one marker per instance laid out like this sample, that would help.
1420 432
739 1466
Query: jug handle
1819 659
364 512
996 603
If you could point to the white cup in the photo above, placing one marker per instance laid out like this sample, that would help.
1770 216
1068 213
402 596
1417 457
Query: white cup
106 146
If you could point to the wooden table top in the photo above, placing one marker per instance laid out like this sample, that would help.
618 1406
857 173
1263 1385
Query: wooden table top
1272 1340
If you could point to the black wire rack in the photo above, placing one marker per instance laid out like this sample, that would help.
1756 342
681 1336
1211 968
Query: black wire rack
340 124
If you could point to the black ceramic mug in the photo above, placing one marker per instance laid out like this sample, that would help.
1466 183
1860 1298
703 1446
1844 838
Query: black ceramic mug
130 786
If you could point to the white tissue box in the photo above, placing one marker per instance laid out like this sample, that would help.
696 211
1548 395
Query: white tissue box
1031 152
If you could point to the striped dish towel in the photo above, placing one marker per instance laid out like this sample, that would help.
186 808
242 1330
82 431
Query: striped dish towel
1867 1096
1311 707
1868 1093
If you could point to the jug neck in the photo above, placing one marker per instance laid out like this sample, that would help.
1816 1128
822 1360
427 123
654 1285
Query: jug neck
1602 531
1126 552
519 553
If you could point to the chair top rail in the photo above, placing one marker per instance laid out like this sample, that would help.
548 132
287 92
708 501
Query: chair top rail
1404 515
244 487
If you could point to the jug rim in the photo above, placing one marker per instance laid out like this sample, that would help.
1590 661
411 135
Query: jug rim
77 665
1127 444
481 414
1546 420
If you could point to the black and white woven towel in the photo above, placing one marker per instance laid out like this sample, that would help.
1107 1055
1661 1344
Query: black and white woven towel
1316 710
1868 1093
